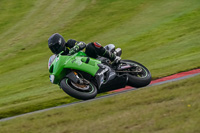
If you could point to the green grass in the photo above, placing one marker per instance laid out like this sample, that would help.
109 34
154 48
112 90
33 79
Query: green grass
162 35
172 107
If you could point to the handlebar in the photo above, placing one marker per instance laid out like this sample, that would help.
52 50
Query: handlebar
76 48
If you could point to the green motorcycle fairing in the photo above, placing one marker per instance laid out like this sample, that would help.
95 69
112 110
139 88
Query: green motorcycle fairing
79 61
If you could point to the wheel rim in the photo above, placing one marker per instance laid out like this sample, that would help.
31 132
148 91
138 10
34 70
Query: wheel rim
138 71
82 88
142 74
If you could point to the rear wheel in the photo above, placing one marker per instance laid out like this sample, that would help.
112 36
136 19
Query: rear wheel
84 91
139 75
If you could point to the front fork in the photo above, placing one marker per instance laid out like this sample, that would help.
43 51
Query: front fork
73 76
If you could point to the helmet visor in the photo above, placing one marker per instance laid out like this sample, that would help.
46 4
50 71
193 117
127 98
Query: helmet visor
56 48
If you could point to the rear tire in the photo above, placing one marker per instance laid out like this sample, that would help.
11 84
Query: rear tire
71 89
140 79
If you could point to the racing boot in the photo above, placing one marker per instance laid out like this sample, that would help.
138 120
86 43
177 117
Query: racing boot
118 52
93 49
113 56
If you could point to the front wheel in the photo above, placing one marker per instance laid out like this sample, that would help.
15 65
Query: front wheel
79 91
138 76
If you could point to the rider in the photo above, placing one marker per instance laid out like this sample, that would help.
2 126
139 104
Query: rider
57 44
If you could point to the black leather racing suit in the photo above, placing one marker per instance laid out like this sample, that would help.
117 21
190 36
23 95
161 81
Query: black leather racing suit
93 49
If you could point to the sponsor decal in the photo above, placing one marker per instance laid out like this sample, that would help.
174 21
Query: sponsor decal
78 61
127 66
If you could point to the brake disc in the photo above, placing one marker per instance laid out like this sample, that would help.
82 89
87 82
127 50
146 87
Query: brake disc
81 86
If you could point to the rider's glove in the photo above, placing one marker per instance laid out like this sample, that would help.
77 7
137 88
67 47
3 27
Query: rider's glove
81 45
76 48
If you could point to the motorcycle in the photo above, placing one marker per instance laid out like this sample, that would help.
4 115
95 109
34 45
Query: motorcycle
83 77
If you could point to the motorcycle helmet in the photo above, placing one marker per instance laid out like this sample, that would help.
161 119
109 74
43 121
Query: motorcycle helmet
56 43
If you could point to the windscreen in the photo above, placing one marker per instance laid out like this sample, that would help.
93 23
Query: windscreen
51 59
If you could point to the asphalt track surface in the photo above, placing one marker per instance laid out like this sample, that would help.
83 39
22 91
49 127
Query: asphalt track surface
172 78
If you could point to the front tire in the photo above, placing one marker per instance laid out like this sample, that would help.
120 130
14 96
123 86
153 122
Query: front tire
140 79
75 90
